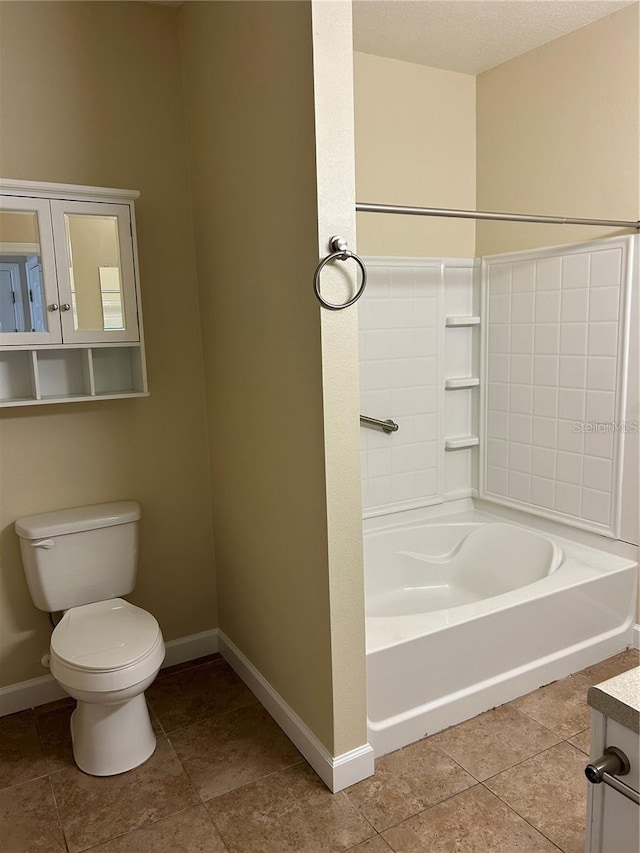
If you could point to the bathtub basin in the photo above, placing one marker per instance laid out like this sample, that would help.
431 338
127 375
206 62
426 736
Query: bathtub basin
468 611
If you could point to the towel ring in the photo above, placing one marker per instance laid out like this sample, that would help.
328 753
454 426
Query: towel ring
340 251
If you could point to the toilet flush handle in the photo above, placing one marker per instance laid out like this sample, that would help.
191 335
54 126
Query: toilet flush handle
43 543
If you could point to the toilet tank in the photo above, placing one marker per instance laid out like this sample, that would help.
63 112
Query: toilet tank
80 555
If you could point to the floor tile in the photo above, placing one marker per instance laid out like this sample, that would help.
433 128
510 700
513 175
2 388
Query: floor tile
21 757
612 666
472 822
560 707
95 809
494 741
288 812
28 819
582 741
373 845
550 791
55 736
191 831
233 749
197 694
406 782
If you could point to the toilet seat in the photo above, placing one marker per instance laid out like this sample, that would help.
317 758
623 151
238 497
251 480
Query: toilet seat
105 646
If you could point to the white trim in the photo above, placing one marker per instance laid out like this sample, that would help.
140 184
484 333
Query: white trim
191 647
635 637
43 189
38 691
337 772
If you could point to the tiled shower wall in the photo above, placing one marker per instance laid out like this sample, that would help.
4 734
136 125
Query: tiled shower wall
554 380
405 356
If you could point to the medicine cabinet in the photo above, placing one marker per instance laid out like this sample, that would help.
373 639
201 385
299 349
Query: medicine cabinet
70 319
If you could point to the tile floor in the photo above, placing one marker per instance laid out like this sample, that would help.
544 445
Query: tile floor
224 779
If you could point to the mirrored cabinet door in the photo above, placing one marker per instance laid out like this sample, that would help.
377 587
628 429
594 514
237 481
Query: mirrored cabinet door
29 304
96 275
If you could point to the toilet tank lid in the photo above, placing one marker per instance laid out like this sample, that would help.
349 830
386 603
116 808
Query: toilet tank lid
77 519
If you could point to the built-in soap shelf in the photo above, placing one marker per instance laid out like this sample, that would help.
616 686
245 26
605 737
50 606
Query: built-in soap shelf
459 442
52 375
453 322
461 382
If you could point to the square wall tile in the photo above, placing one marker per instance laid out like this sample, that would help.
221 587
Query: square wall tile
521 399
521 367
500 308
573 339
499 338
575 306
520 457
543 492
597 474
596 505
600 406
497 481
569 467
573 371
603 304
520 428
545 401
546 369
519 486
603 339
570 435
598 443
606 268
571 403
547 306
544 432
575 270
547 338
499 367
568 499
500 278
522 338
497 425
524 275
548 273
522 307
543 462
601 373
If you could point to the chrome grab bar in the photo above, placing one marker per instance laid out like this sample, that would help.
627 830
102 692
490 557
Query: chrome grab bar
386 426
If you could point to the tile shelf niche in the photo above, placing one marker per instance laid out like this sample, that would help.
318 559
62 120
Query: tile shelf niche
460 442
74 374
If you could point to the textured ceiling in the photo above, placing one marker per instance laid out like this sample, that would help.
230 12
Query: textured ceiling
469 36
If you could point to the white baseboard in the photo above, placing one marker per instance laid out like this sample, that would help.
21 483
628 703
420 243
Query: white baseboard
191 647
39 691
337 772
635 639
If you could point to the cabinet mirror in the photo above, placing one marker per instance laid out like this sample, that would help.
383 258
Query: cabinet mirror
22 301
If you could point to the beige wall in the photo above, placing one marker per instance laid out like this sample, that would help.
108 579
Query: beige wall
91 94
558 133
253 147
415 131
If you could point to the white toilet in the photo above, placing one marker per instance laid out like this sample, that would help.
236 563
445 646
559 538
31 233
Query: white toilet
105 652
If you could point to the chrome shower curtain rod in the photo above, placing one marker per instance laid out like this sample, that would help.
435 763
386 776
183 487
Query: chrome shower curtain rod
364 207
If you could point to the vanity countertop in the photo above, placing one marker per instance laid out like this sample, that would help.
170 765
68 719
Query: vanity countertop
619 699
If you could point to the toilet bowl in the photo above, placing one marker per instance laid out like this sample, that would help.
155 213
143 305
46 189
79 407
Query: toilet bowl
104 651
105 655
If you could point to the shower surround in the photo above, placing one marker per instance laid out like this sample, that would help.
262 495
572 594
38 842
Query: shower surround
494 369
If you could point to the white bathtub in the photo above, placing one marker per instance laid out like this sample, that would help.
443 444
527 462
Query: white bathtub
468 611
